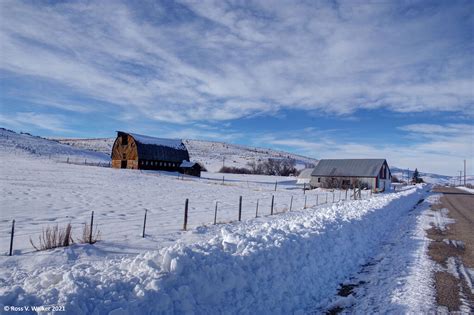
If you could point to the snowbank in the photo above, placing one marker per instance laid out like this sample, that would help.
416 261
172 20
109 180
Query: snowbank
469 190
288 263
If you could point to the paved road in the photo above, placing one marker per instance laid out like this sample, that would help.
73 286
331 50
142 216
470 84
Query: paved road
461 208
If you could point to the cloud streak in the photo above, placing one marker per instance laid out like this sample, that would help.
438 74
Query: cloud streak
432 148
217 61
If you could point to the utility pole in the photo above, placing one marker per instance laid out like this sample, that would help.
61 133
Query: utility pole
460 175
464 173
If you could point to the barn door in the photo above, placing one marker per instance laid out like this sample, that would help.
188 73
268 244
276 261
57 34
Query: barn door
124 164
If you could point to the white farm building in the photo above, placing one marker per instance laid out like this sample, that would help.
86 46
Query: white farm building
349 173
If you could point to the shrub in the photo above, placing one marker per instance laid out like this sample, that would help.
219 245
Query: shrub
86 235
53 237
234 170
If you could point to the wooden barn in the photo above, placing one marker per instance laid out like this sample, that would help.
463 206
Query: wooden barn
136 151
348 173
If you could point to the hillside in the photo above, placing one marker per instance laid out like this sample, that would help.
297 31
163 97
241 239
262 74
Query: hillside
431 178
211 153
17 143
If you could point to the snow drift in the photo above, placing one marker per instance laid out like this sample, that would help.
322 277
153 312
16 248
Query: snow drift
289 263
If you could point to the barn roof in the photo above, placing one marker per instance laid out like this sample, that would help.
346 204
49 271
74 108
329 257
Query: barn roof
187 164
151 148
349 167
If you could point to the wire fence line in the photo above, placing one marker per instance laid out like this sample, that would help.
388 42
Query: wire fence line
197 213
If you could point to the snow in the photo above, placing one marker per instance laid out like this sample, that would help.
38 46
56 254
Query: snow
187 164
469 190
19 144
291 262
171 143
398 279
39 192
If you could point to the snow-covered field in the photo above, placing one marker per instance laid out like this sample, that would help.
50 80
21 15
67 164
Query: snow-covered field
285 263
40 192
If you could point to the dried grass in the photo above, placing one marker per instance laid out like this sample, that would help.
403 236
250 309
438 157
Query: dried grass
86 235
53 237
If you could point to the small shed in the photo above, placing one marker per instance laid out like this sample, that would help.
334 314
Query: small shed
191 168
348 173
134 151
305 176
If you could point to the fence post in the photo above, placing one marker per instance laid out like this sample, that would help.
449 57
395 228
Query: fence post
304 188
240 208
333 196
273 199
256 210
222 180
326 198
276 183
305 198
346 195
215 214
92 224
291 202
67 160
317 200
144 224
185 214
11 237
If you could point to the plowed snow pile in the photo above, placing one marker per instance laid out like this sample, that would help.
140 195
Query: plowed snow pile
286 263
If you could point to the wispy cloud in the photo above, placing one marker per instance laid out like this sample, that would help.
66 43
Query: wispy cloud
439 130
55 123
217 61
433 148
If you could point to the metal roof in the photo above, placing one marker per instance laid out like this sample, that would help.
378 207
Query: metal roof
187 164
348 167
306 173
172 143
151 148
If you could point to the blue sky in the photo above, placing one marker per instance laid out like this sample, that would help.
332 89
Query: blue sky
327 79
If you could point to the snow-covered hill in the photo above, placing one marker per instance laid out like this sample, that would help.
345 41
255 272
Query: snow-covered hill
431 178
211 153
214 154
18 143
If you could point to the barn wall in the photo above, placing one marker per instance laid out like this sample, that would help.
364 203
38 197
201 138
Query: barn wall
384 184
126 152
370 181
157 165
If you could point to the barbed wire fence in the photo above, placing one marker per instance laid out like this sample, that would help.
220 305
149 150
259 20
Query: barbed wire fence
196 213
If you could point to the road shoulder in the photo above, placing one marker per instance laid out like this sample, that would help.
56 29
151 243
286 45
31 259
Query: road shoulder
452 248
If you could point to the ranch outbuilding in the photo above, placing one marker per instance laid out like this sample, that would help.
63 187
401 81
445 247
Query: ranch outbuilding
349 173
134 151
